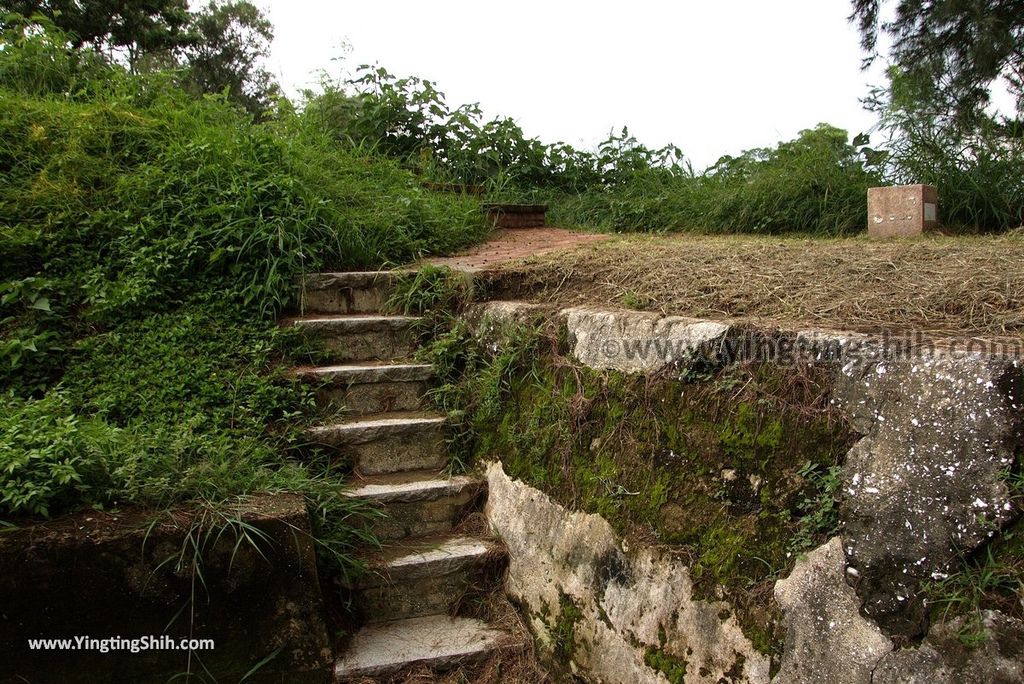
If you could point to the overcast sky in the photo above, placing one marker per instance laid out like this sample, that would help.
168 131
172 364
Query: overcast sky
714 77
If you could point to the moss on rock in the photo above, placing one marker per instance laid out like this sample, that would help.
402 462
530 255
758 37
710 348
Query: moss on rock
714 464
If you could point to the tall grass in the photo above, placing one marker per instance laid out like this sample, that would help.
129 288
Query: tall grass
814 184
978 172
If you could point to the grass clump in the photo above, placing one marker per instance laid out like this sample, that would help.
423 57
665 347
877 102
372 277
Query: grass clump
991 578
816 184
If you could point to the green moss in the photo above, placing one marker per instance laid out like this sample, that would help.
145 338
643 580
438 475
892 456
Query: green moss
563 630
673 668
683 460
717 464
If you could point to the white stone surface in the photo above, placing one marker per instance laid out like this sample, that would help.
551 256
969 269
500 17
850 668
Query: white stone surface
366 429
628 601
435 640
450 550
827 640
413 489
639 342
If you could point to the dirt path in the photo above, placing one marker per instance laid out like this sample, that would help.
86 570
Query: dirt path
508 244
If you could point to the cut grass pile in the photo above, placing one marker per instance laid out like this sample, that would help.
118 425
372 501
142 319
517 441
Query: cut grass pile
940 286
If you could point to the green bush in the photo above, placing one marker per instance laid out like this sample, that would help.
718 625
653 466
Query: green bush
977 163
51 458
815 184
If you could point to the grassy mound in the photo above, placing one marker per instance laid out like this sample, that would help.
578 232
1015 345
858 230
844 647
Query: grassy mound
147 240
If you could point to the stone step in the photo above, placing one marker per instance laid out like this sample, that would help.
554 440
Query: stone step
438 642
387 442
345 293
361 337
418 503
369 387
425 576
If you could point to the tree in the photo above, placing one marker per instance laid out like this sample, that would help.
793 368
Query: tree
231 40
954 50
125 30
219 47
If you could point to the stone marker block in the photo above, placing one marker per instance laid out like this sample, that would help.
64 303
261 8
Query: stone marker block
902 210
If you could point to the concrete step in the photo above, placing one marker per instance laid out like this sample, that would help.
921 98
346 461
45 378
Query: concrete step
361 337
418 503
425 576
345 293
435 641
369 387
387 442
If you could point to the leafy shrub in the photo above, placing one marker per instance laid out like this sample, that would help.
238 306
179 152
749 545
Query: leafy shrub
816 183
51 457
409 120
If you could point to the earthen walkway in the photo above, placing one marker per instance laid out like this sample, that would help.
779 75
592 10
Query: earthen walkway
508 244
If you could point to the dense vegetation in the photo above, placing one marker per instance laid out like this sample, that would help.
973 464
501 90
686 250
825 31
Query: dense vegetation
815 184
157 200
147 240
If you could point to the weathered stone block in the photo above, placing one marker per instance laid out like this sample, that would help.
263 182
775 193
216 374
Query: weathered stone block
902 210
420 506
362 338
628 603
389 444
827 640
927 481
346 293
639 342
426 576
106 575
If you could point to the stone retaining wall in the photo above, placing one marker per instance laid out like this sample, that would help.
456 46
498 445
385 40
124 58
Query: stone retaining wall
105 575
925 486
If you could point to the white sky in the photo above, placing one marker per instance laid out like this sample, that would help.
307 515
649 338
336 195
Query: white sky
713 77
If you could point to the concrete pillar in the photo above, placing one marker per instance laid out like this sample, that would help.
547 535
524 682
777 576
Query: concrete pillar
902 210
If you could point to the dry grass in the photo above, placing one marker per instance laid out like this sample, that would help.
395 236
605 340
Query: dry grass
940 286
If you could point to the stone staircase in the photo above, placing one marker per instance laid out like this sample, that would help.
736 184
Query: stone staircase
396 447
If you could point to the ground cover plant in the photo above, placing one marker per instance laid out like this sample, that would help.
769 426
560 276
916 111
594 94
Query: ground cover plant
148 240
